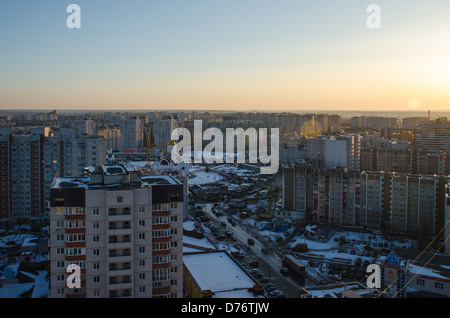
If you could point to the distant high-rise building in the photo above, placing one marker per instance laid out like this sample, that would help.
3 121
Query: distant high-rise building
84 126
162 131
447 219
396 203
31 159
433 136
131 133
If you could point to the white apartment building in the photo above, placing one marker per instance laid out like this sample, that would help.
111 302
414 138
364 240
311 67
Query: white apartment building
124 231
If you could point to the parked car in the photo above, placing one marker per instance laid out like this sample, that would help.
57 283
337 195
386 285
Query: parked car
254 264
251 241
284 270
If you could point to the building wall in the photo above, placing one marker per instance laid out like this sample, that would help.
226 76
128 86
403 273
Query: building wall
121 250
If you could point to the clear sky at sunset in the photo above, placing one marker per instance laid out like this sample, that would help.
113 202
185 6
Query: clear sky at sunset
225 55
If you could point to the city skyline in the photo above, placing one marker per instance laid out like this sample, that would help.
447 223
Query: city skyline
236 56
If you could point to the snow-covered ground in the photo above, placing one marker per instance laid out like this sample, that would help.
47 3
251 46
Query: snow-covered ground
199 176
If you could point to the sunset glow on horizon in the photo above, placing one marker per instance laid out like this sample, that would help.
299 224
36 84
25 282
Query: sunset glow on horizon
287 55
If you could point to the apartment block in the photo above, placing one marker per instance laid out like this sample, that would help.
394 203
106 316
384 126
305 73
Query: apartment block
122 229
131 133
447 219
433 136
395 203
30 159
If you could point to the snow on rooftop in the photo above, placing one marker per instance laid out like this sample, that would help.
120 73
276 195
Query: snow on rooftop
419 270
217 271
331 292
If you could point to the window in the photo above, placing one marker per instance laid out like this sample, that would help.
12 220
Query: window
60 278
173 205
141 249
96 279
160 220
96 292
141 209
119 199
75 251
96 239
420 282
160 274
95 225
141 223
60 291
96 252
142 236
160 233
142 262
75 237
96 266
161 207
141 276
142 289
96 211
439 285
160 259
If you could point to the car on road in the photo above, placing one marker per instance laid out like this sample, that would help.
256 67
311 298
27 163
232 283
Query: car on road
284 270
274 293
257 275
270 289
254 264
251 241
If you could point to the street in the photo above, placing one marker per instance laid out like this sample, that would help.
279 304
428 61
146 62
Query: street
270 262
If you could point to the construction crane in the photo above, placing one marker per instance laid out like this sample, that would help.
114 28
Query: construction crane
149 154
148 150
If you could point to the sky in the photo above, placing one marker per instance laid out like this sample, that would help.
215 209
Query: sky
246 55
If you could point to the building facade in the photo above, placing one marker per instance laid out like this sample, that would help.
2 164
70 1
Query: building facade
122 229
395 203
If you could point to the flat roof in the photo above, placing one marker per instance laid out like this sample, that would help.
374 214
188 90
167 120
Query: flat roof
218 272
85 182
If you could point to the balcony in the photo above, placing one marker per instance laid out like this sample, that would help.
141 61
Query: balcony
119 214
120 282
120 241
120 293
161 291
120 269
119 228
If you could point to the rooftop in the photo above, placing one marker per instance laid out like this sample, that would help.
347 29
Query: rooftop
218 272
112 176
